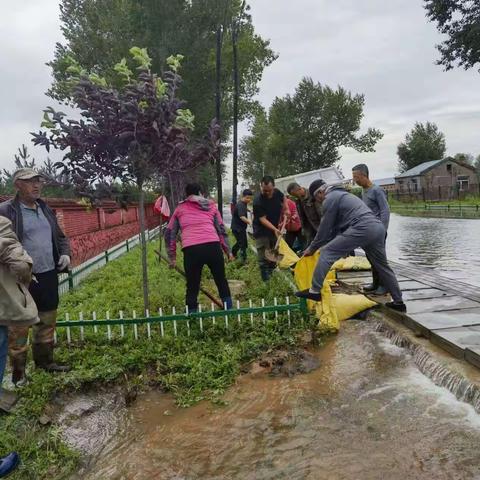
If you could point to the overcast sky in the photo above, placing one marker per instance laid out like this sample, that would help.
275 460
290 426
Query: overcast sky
383 49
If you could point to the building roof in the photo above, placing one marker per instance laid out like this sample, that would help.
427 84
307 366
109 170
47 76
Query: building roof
330 175
420 169
384 181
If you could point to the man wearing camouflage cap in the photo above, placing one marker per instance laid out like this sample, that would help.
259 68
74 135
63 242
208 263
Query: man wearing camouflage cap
37 228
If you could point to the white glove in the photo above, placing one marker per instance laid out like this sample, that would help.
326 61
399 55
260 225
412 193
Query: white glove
63 262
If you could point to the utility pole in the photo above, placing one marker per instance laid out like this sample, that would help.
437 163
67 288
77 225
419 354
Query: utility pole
236 93
218 101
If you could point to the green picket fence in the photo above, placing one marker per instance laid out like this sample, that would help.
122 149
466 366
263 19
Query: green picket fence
163 324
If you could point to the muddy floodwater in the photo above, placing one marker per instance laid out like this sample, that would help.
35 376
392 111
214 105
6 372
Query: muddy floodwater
365 413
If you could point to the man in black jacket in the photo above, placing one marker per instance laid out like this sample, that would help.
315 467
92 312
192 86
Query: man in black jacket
37 228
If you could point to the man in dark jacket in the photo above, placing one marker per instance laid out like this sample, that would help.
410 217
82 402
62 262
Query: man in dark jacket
309 210
36 226
347 223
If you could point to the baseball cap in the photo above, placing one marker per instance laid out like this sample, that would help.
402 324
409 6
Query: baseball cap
26 174
315 186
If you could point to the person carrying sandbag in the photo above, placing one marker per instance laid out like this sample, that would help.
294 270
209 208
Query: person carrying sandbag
347 223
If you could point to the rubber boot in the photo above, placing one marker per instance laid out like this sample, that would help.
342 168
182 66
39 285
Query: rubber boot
7 401
8 464
19 362
43 358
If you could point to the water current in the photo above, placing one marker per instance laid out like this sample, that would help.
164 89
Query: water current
367 413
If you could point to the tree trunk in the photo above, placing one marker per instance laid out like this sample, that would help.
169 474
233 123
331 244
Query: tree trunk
236 93
218 100
143 244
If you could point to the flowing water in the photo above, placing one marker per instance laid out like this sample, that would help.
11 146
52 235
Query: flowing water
448 246
366 413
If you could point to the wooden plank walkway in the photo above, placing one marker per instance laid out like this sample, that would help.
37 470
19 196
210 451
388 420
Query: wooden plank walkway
446 311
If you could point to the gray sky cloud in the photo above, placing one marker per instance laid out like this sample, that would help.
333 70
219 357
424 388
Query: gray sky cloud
383 49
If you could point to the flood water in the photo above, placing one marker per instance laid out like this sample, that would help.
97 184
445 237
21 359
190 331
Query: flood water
367 413
450 247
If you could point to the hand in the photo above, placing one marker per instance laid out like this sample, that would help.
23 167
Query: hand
172 264
307 253
63 262
278 233
231 258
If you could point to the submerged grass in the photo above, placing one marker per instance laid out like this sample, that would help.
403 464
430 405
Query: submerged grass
192 366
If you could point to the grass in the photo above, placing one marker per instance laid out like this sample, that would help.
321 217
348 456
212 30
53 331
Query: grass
470 200
193 368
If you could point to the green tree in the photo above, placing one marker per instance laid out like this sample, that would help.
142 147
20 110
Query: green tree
98 32
255 159
459 20
306 130
476 164
424 143
464 158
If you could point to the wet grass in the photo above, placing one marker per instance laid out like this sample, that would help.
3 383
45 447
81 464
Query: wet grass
192 366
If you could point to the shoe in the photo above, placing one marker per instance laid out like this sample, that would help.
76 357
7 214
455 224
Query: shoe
398 306
315 296
7 401
43 357
370 288
380 291
8 464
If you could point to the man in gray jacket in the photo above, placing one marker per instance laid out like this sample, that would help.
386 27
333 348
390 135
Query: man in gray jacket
347 223
376 200
36 226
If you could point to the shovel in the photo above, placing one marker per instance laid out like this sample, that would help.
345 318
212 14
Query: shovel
272 254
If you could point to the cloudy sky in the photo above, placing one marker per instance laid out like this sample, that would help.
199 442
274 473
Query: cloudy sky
383 49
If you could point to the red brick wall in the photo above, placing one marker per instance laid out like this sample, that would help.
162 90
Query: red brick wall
92 231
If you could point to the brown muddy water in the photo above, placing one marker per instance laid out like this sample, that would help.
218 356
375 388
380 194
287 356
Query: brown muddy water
365 413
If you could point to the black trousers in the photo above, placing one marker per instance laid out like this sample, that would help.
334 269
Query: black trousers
44 290
242 243
194 259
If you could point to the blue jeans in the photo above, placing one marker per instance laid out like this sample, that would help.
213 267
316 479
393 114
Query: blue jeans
3 351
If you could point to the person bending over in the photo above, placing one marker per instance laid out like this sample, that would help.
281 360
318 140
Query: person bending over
347 223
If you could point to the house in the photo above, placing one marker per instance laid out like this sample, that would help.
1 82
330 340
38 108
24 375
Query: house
388 184
445 179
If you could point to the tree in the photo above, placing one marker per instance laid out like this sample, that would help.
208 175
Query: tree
132 130
98 32
476 164
307 129
466 158
422 144
459 20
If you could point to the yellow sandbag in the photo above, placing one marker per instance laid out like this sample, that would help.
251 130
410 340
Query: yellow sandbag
352 263
289 257
304 273
334 307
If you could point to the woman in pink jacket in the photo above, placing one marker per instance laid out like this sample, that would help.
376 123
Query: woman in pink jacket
203 235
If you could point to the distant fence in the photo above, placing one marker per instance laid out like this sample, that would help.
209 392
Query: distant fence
71 280
446 211
438 193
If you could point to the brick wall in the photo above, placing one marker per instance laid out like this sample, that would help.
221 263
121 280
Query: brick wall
92 231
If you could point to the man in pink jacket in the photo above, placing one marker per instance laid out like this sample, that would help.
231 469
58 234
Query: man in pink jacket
203 235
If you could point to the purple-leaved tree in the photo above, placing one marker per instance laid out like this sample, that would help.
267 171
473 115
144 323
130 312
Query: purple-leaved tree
133 131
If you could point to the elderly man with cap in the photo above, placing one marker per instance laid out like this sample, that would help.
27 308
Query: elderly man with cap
36 226
347 223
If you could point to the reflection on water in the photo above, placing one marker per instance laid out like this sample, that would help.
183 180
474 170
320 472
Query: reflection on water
448 246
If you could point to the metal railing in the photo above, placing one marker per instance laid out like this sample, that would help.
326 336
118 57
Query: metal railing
188 321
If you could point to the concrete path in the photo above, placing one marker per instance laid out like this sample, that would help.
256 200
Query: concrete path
444 310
